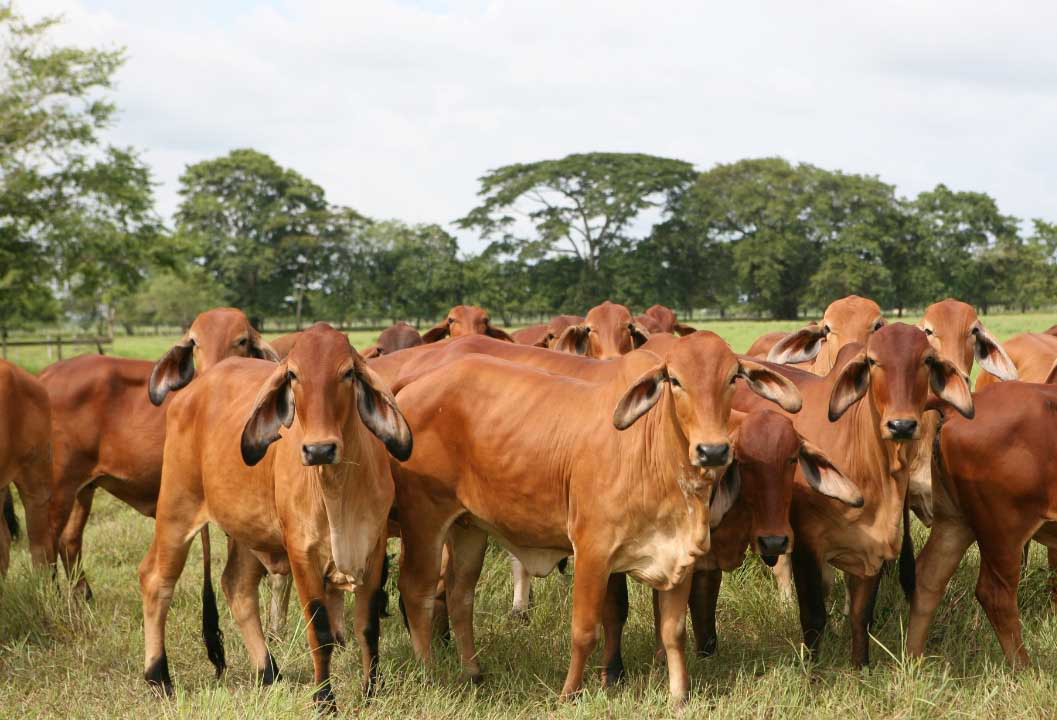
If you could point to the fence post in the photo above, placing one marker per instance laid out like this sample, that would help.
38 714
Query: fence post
58 345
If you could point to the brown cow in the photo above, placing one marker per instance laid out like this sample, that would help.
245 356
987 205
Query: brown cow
530 457
608 331
849 320
767 451
312 501
108 434
865 415
665 320
395 337
993 484
25 459
464 320
1032 355
761 346
547 334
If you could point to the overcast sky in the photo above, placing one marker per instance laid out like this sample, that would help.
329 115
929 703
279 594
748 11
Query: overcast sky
396 107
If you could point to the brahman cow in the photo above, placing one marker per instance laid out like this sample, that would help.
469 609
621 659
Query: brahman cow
664 320
312 501
395 337
849 320
865 415
25 460
108 432
464 320
994 483
545 335
1031 354
608 331
620 473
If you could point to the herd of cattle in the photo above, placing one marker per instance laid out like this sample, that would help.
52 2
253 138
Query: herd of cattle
633 443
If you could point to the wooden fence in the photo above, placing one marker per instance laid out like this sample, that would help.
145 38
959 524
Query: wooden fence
58 341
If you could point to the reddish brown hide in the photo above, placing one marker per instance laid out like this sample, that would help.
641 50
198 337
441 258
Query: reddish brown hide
546 335
608 331
849 320
664 320
464 320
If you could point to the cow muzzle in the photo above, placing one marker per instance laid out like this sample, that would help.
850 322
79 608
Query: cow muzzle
319 453
771 546
714 455
902 429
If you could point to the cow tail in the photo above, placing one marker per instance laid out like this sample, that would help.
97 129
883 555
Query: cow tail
907 570
9 515
212 635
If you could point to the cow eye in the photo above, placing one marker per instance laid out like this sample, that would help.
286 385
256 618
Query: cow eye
880 324
928 331
291 375
792 460
349 374
675 382
826 330
242 342
870 362
451 320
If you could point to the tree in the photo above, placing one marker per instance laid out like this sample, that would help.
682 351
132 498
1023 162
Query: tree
256 226
169 297
582 206
76 215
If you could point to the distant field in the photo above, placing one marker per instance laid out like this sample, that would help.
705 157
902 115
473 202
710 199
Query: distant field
59 657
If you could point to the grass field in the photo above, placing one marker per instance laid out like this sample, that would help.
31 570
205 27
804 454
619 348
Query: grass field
60 657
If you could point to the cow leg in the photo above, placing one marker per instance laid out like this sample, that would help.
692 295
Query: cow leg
70 541
158 574
34 489
673 635
614 617
783 576
308 579
241 582
589 596
334 599
1051 561
367 622
467 547
5 540
704 595
522 588
441 624
862 594
277 607
936 563
422 545
807 578
996 589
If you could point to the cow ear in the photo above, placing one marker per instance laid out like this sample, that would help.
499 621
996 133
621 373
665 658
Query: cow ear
262 350
494 332
174 371
640 397
681 329
639 335
545 341
950 384
770 385
573 340
825 478
372 352
724 495
436 333
991 355
273 407
801 346
378 411
851 385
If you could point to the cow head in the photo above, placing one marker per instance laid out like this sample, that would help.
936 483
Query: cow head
464 320
767 453
608 331
555 328
895 369
957 333
323 381
848 320
699 371
665 320
214 335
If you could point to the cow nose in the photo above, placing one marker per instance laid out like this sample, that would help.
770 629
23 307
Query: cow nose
771 546
318 453
902 429
713 454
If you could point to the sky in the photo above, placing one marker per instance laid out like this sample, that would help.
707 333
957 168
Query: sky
397 107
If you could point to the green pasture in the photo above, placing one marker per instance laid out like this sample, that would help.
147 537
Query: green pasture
61 657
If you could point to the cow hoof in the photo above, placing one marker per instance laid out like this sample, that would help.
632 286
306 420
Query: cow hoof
339 639
613 674
324 700
475 678
522 616
158 678
82 590
373 687
270 674
707 647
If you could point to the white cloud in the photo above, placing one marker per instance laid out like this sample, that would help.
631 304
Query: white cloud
397 107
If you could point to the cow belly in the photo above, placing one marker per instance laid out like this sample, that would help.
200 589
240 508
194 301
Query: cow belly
1047 534
662 562
538 561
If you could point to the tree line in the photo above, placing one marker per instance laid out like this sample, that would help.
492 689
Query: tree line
81 240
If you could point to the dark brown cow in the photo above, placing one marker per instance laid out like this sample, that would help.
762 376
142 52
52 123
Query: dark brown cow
993 484
25 459
395 337
666 321
521 454
312 500
608 331
546 335
108 434
464 320
865 415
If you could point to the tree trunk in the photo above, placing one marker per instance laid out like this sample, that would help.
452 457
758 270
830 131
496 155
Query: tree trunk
300 304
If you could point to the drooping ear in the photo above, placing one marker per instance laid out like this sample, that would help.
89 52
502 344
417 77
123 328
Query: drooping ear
436 333
273 407
681 329
262 350
494 332
372 352
724 495
770 385
640 397
825 478
174 371
801 346
573 340
379 412
950 384
545 341
851 385
991 355
639 335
